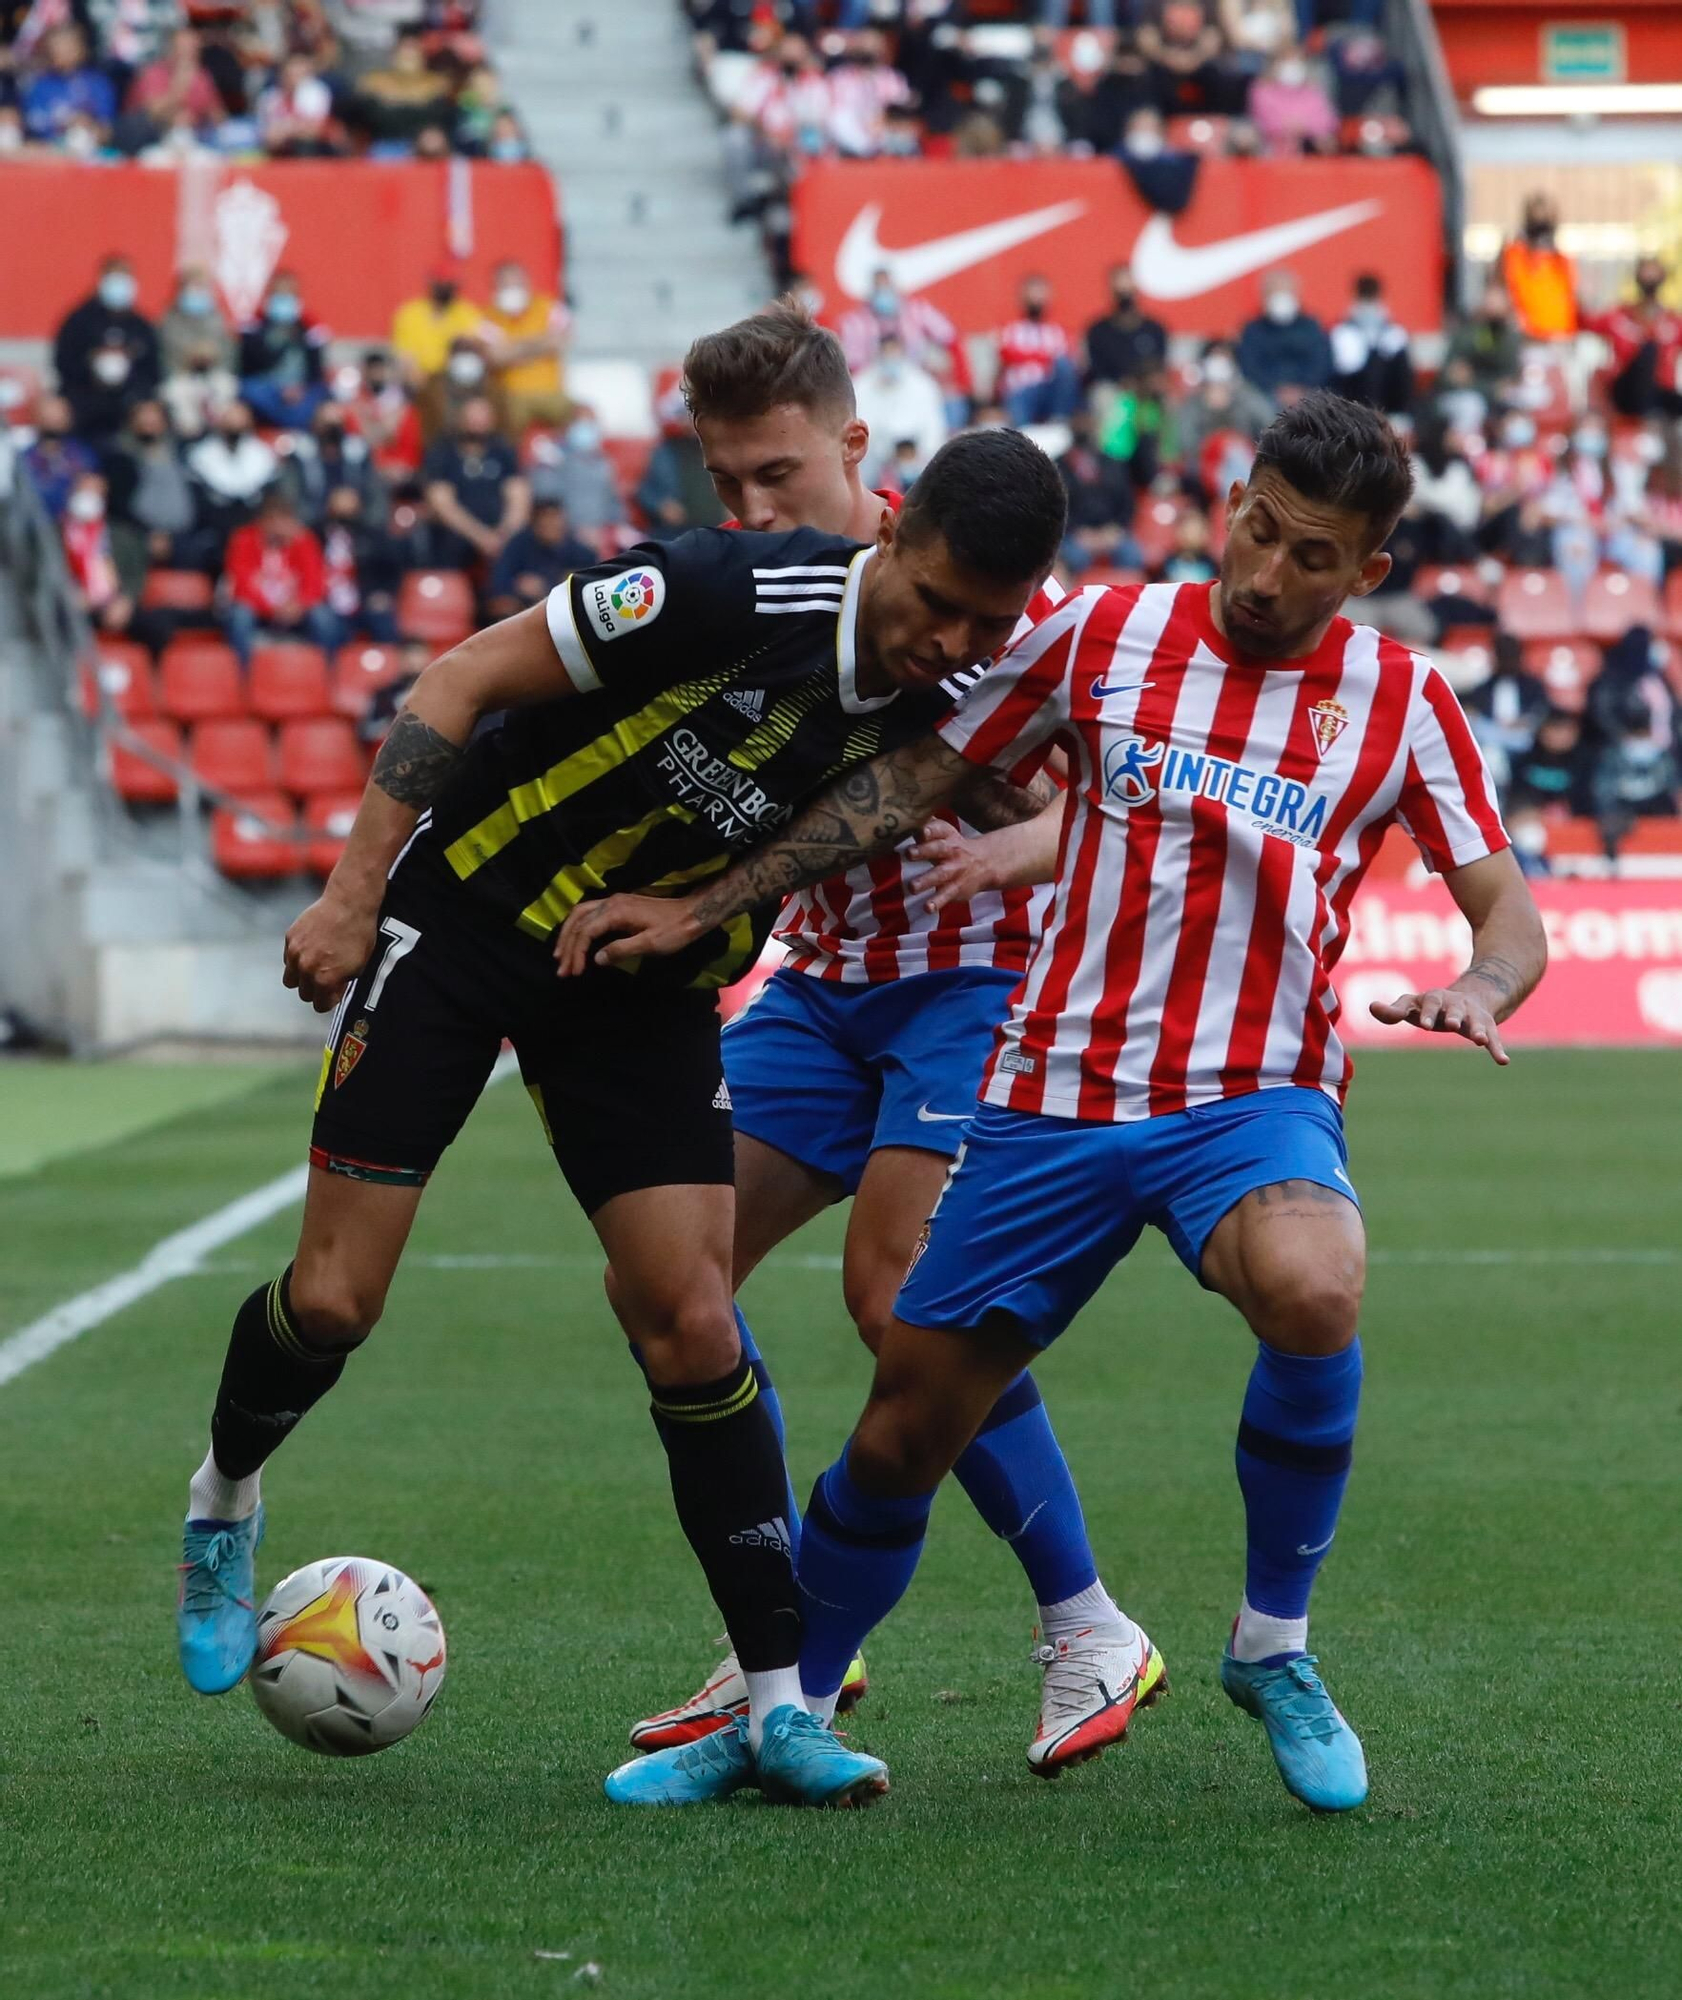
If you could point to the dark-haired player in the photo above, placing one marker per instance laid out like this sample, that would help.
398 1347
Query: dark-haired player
663 712
854 1072
1172 1058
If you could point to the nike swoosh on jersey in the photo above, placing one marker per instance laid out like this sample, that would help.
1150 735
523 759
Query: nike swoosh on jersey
920 265
1102 688
1164 268
927 1117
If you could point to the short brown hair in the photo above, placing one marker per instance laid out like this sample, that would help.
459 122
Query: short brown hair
778 356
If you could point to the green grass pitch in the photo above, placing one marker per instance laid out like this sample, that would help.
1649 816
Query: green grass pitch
1499 1618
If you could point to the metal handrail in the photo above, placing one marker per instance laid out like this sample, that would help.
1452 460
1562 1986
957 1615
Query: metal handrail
1435 117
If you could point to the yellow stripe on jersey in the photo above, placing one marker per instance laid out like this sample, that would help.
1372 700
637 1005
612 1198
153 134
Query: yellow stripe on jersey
584 877
731 963
777 729
540 795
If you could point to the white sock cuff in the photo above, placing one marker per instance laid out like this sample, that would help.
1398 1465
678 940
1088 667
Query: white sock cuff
1091 1606
213 1496
1258 1635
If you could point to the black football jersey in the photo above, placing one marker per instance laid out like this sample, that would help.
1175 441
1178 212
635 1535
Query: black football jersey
720 675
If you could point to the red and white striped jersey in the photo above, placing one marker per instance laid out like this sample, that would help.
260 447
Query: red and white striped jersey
1221 814
874 922
1028 350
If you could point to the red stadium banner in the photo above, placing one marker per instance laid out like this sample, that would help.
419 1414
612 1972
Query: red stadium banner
362 235
966 232
1614 967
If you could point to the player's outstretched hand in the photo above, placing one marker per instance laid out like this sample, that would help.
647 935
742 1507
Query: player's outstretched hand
325 949
647 924
1445 1010
960 865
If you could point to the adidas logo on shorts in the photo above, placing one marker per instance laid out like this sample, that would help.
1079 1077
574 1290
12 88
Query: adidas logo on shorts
721 1097
746 701
768 1535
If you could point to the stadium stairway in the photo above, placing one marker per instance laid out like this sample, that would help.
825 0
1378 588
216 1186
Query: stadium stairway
609 96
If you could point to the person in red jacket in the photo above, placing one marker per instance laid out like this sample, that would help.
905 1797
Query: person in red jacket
1646 341
274 580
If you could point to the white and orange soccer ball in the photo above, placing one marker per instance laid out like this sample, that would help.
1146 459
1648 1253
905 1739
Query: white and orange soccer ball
350 1656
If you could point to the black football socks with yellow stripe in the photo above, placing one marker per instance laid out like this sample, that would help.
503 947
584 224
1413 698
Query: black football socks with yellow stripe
271 1379
730 1488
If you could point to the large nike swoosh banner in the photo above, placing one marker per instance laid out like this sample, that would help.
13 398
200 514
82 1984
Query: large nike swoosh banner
966 232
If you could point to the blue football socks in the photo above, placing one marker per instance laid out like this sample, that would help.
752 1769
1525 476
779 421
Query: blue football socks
857 1554
1295 1443
768 1396
1018 1479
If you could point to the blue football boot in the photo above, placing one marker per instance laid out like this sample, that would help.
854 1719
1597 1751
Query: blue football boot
688 1774
802 1762
1318 1754
216 1615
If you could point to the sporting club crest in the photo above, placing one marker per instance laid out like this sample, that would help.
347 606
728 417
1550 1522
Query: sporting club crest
350 1051
1330 719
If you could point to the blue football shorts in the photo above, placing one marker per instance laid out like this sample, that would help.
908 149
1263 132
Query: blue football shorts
1038 1211
828 1072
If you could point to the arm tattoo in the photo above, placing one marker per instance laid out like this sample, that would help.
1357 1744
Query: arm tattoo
988 800
1499 972
870 807
415 763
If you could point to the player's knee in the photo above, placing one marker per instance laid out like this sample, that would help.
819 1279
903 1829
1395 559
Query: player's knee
1310 1311
684 1338
898 1448
872 1309
331 1311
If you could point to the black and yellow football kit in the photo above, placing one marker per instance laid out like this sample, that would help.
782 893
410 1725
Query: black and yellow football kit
720 676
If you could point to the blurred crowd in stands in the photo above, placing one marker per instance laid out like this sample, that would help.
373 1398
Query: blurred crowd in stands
1168 84
164 80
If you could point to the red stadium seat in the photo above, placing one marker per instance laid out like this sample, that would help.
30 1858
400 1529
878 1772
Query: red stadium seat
134 777
234 755
437 605
122 670
256 840
1565 668
321 755
1452 580
1535 604
177 590
327 820
359 672
1614 601
288 679
629 458
199 679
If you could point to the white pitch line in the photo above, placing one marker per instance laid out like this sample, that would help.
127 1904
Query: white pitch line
177 1256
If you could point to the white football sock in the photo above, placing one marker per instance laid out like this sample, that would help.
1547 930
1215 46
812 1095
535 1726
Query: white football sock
1258 1635
823 1706
213 1496
779 1688
1087 1609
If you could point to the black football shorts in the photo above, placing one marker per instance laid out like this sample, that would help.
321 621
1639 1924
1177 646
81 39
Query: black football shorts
625 1074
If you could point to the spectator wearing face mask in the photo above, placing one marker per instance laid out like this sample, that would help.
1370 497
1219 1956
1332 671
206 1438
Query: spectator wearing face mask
175 86
330 457
383 414
231 467
106 353
395 103
1370 359
898 399
474 485
1551 776
1506 711
1514 475
152 505
1488 342
1101 503
676 491
508 144
536 559
1126 344
579 473
197 393
1368 80
1540 280
1290 109
1182 47
57 458
1221 406
525 333
282 374
1191 559
273 580
1645 336
926 336
1447 500
1256 31
107 594
467 376
360 570
295 114
1284 350
1634 770
424 329
67 89
1037 381
1164 176
1104 90
194 327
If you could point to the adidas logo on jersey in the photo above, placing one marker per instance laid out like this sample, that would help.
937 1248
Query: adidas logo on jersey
721 1097
768 1535
746 701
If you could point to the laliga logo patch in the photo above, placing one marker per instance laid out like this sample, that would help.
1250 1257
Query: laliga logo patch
1126 765
1330 719
350 1052
622 603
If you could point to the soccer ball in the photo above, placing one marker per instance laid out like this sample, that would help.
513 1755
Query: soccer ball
350 1656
